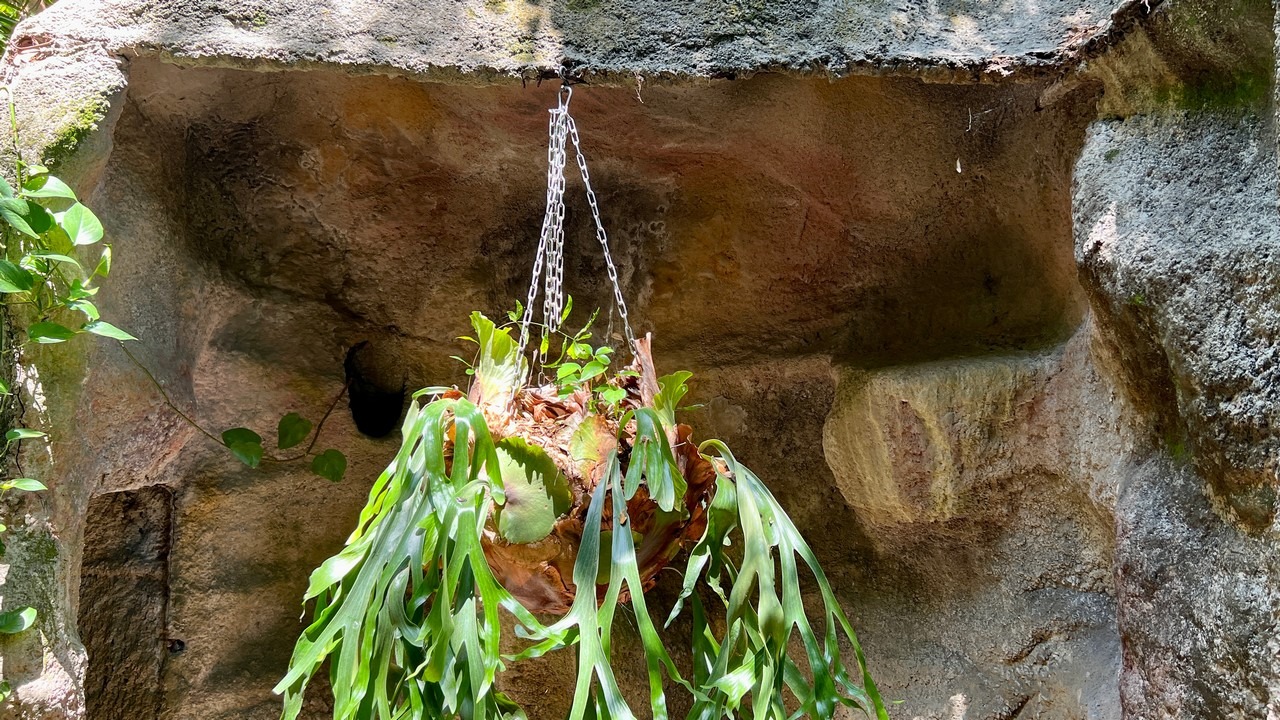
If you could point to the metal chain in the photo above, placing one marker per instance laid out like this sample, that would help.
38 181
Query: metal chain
549 251
553 300
551 240
600 234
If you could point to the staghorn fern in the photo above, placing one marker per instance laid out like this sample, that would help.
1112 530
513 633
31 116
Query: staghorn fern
407 614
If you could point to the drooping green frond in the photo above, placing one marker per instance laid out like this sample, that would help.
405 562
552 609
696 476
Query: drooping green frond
764 610
589 624
407 613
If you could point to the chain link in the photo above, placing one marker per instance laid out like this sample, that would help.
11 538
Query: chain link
562 128
600 234
551 239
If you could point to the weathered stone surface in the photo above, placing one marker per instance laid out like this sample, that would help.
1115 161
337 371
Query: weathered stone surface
987 488
124 596
934 442
1176 217
1199 603
636 37
1184 279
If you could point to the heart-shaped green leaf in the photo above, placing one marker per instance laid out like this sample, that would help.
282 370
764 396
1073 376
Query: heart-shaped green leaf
47 186
330 465
81 224
245 444
248 453
14 211
292 430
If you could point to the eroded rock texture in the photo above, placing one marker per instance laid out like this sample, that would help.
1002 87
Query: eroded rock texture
996 319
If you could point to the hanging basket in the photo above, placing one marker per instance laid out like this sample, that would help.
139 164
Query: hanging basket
557 450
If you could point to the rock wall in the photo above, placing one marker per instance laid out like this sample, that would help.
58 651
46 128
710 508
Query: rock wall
986 292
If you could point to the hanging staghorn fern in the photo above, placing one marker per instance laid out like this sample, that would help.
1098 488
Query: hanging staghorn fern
515 498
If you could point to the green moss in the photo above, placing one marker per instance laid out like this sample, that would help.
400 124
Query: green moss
1214 56
259 19
1242 90
498 6
1111 154
522 50
80 122
1178 446
43 548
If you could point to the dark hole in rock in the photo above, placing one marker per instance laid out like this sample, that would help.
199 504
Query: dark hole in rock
124 597
375 406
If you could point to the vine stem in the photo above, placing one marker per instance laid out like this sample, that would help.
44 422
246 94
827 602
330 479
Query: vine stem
187 418
316 438
164 394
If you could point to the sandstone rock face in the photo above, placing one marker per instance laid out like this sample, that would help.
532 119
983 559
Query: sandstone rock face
995 317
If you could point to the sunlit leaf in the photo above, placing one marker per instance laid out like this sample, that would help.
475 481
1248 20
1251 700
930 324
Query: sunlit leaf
22 434
89 309
104 263
568 308
81 225
15 279
106 329
47 186
78 291
56 257
500 367
23 484
593 369
15 211
672 389
15 621
50 332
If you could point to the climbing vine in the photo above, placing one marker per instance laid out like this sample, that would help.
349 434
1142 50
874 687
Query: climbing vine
52 259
